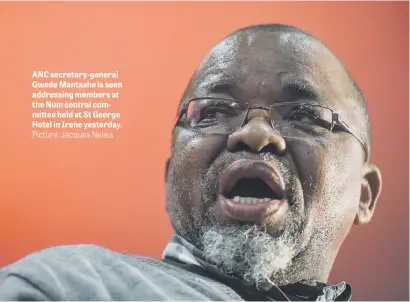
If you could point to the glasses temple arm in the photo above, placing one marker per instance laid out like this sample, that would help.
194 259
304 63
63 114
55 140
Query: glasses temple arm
336 120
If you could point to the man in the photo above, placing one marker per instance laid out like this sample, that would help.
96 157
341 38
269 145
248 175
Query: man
269 169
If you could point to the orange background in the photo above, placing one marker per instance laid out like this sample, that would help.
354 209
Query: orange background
111 192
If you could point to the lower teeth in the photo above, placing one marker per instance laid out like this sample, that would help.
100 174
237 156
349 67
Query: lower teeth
250 200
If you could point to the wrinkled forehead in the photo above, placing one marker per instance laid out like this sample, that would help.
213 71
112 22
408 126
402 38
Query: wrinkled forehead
260 64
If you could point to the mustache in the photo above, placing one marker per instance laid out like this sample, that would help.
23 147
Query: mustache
278 162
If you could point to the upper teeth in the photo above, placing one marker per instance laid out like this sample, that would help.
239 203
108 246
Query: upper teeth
250 200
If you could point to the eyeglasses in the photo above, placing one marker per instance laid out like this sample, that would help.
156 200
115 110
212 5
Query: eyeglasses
212 115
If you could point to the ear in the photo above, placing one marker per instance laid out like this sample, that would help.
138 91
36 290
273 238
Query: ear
167 168
371 188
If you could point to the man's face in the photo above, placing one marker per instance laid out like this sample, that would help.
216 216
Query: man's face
259 204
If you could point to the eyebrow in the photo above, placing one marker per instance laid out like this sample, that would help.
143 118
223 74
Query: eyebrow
296 88
218 82
300 89
224 86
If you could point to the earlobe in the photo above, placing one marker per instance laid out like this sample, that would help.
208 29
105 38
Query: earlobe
370 192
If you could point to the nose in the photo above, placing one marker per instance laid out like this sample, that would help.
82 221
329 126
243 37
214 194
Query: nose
257 135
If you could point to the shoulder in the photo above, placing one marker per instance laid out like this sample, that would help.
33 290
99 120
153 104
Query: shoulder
58 253
62 259
76 272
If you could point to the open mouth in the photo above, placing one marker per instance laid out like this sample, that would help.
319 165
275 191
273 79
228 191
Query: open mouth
251 191
251 182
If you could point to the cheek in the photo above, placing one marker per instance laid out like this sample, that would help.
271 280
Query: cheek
330 177
341 172
193 152
191 155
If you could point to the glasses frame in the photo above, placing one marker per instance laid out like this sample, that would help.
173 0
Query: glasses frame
336 118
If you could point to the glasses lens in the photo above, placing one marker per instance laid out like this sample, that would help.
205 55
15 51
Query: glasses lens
215 115
301 120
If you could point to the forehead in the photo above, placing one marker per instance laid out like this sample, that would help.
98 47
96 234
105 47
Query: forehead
262 65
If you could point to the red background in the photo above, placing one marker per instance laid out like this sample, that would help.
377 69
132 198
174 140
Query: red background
111 192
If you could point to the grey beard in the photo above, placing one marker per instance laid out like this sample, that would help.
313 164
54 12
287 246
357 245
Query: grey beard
248 251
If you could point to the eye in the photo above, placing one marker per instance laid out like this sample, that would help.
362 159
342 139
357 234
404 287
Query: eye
304 119
311 117
212 112
301 113
215 112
